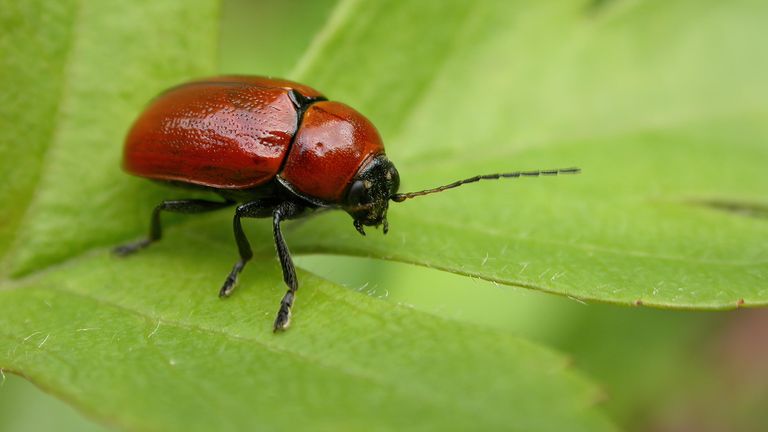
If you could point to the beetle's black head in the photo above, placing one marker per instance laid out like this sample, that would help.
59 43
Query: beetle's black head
368 196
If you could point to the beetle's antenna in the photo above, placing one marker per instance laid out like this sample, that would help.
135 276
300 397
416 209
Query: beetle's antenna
553 172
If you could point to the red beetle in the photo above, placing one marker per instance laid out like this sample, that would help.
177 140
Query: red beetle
278 147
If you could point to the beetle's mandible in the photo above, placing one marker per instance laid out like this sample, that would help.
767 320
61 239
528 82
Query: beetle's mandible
277 148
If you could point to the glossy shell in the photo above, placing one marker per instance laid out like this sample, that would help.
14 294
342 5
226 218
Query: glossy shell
224 132
237 132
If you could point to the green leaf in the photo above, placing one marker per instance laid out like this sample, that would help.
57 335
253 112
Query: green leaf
144 343
21 404
663 105
668 126
113 58
31 102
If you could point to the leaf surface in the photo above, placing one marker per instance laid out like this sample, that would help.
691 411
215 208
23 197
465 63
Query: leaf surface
143 343
146 344
668 125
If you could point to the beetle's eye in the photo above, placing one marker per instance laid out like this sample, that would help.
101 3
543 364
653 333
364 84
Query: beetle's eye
394 180
357 192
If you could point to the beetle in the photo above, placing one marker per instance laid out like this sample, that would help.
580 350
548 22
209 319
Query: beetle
276 148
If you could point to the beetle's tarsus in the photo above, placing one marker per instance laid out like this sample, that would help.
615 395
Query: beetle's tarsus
359 226
131 248
283 319
231 282
228 287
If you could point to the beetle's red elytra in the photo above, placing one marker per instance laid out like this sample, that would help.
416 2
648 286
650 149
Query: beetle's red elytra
277 148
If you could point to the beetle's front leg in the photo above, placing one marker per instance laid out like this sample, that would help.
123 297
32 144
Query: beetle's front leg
286 210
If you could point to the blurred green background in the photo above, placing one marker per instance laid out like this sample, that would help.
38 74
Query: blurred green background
660 370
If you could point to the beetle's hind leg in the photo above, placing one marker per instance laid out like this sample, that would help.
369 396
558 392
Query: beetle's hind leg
174 206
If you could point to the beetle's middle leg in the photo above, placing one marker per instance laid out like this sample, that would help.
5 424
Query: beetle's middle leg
174 206
253 209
